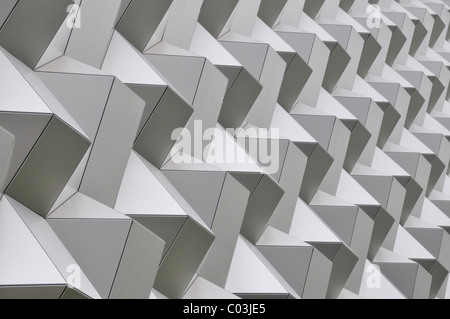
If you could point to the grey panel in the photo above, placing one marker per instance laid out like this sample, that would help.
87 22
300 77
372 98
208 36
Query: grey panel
35 23
122 9
231 72
54 248
432 140
251 55
89 43
73 294
434 66
428 238
389 90
290 180
328 249
295 78
360 246
438 27
165 227
402 275
390 120
7 146
271 78
151 95
155 141
338 61
282 158
439 274
138 266
183 259
436 91
6 7
204 289
260 208
378 186
141 19
423 285
183 72
202 214
359 138
23 261
343 264
358 106
420 32
288 57
26 129
270 10
209 97
383 223
113 145
48 167
319 126
239 99
398 40
269 153
31 292
312 7
437 168
204 197
341 33
83 96
307 148
317 167
413 191
346 5
408 161
444 254
413 77
249 180
291 262
318 277
302 43
227 224
370 52
96 245
215 14
341 219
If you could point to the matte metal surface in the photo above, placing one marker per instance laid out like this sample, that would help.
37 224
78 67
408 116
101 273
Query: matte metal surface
22 251
155 141
227 223
260 207
35 23
138 264
355 203
108 159
190 246
215 13
239 99
141 19
7 141
87 45
95 244
48 167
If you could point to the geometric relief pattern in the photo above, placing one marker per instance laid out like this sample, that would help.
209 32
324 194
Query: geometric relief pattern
98 100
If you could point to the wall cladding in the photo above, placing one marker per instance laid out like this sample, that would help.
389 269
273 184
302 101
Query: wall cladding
327 176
